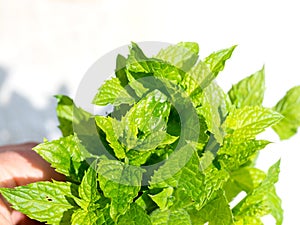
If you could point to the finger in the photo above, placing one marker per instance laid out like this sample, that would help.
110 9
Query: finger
5 213
20 166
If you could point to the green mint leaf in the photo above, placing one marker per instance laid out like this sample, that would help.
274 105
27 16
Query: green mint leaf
216 61
86 217
145 202
67 155
215 107
234 154
263 199
95 217
120 183
197 144
169 173
94 206
137 60
182 171
202 75
247 220
135 216
151 113
289 107
215 212
247 122
168 217
88 189
49 202
244 179
139 66
137 157
112 92
198 78
154 140
121 70
135 83
110 126
72 117
182 55
248 178
163 199
249 91
141 129
64 110
74 120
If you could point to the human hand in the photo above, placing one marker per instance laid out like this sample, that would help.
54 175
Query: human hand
19 165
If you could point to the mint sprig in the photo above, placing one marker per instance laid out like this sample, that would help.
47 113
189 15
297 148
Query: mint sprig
176 149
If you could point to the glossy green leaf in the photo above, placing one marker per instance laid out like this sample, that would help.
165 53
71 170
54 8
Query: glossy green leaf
110 127
88 189
289 107
72 118
151 113
263 200
86 217
49 202
182 171
247 220
67 155
112 92
140 66
243 179
175 150
121 70
168 217
236 153
216 61
247 122
182 55
135 216
215 212
120 183
164 198
248 178
249 91
215 107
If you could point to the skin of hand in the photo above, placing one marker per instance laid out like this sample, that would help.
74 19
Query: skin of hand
20 165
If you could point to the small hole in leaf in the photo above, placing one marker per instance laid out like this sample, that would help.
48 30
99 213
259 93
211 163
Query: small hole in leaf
49 199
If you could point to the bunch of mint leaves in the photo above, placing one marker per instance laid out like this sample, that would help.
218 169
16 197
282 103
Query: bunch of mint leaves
176 149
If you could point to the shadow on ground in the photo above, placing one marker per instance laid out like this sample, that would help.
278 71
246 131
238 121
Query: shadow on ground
20 121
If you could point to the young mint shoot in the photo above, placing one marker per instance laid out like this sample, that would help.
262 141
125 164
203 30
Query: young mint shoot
175 150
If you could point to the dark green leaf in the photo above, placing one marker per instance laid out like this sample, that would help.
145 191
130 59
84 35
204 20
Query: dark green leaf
121 70
72 118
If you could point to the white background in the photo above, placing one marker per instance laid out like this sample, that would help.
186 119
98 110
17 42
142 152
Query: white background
47 46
